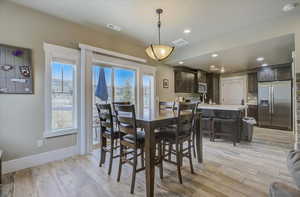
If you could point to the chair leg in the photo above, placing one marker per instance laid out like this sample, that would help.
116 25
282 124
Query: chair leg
142 158
111 156
133 172
194 144
190 157
102 151
120 163
178 155
160 157
170 152
181 150
234 139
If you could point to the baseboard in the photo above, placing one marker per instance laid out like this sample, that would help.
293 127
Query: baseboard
38 159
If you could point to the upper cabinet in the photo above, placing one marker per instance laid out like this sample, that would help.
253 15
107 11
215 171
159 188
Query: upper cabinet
252 83
266 74
185 80
275 73
213 87
284 73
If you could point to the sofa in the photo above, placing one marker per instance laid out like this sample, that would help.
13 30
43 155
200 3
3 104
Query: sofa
282 190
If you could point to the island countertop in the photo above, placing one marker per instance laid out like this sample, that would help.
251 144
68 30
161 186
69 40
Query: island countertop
222 107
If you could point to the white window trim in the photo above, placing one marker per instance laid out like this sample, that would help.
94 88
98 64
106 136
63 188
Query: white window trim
57 52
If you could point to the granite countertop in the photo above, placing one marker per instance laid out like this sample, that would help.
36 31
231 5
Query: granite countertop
222 107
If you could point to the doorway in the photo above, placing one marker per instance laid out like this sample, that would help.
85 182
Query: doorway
233 90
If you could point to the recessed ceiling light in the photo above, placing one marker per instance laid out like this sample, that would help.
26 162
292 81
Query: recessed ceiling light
214 55
187 31
265 65
181 62
260 59
289 7
114 27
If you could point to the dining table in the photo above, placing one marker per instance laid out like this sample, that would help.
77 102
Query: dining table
158 120
150 123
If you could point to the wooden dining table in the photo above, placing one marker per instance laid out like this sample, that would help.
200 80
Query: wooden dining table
149 124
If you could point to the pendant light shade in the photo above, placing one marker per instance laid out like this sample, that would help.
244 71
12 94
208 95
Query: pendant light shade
158 51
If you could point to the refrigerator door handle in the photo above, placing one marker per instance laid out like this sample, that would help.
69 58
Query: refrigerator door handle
270 100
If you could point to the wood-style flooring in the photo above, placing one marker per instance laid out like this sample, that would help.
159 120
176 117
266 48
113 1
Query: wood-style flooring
244 170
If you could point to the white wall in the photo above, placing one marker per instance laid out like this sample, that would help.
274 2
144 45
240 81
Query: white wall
22 116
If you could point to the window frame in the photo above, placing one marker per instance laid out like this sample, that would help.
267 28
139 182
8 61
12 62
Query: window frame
68 56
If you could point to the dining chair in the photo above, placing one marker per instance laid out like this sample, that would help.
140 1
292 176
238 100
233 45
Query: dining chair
132 142
180 134
107 133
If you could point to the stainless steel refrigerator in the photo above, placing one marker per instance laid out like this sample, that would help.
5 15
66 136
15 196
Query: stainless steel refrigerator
275 104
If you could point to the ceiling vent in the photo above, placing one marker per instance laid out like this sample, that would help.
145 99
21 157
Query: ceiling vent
113 27
180 42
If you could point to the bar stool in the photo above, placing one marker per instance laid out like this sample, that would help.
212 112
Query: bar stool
225 128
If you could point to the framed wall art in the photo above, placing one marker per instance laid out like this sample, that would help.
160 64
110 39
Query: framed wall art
15 70
165 83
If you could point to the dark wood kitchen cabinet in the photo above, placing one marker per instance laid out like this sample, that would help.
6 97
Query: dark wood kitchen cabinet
284 73
213 87
266 74
185 80
252 83
275 73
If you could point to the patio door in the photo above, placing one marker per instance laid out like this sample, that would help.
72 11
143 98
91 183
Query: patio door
121 86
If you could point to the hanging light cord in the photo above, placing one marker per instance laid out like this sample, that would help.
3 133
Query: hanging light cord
159 25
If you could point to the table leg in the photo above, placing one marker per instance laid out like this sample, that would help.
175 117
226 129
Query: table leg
199 144
149 160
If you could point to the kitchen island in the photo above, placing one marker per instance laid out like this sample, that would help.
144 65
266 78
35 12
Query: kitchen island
234 113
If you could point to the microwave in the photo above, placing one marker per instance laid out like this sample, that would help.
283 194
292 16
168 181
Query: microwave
202 87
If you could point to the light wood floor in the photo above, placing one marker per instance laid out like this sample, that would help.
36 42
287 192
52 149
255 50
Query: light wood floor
244 170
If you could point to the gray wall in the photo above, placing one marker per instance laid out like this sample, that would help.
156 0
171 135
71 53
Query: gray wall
22 116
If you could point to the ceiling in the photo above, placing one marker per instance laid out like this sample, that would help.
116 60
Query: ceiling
206 19
274 51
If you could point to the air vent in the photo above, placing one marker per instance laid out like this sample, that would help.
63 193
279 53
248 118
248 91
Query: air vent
180 42
113 27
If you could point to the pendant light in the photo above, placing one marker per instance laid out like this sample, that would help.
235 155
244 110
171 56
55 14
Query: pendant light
158 51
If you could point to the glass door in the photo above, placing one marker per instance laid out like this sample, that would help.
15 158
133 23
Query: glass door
148 94
121 85
108 71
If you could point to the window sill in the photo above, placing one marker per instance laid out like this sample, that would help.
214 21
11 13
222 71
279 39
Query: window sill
51 134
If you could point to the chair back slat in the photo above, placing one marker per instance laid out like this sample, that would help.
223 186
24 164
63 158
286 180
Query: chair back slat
185 121
126 119
168 106
119 103
105 117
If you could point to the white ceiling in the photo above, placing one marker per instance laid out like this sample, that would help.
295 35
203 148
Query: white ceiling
275 51
137 18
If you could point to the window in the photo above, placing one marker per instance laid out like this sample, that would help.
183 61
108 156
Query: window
124 85
60 90
62 106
